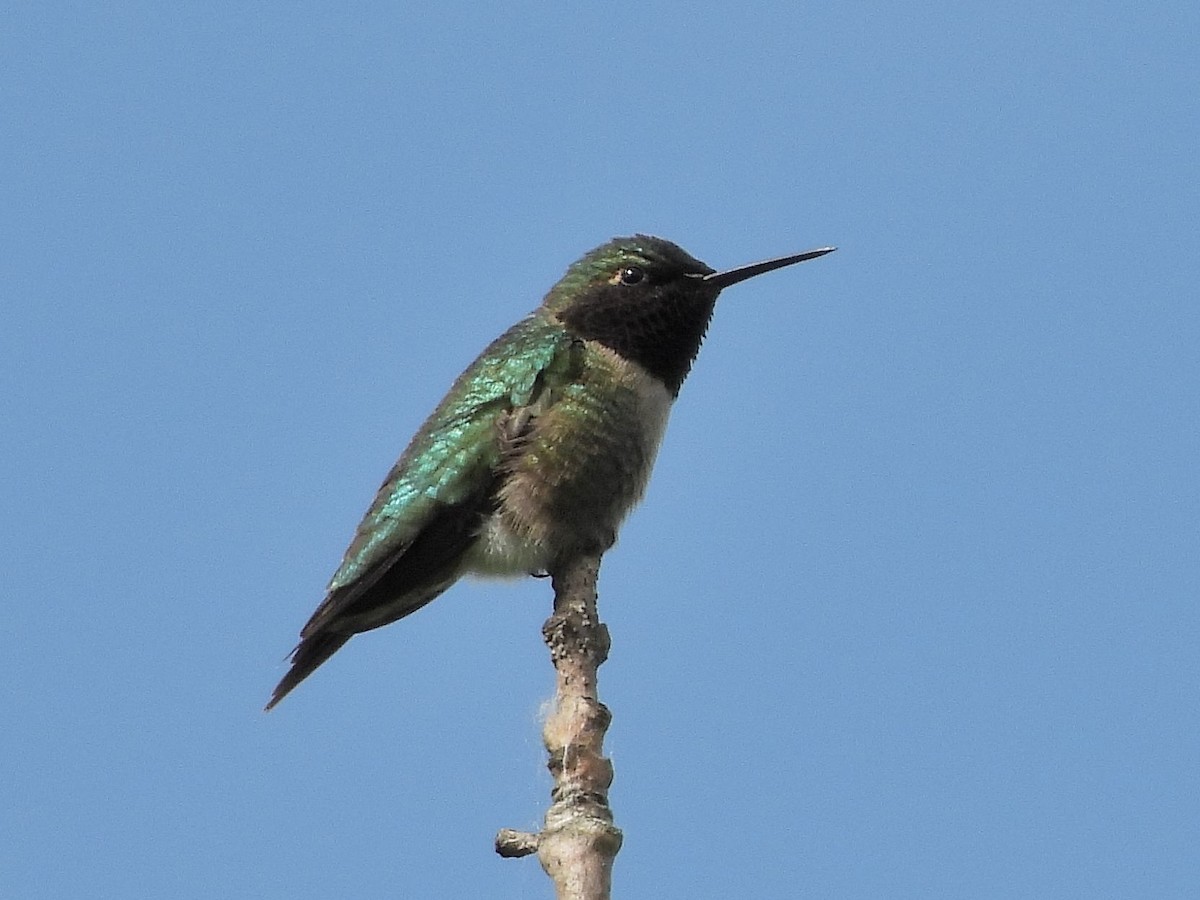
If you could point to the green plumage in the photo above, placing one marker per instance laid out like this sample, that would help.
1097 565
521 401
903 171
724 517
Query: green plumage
458 445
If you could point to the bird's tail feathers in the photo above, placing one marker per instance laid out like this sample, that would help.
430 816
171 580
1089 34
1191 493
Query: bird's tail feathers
308 655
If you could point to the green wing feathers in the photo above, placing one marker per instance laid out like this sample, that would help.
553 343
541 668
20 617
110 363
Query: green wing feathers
459 445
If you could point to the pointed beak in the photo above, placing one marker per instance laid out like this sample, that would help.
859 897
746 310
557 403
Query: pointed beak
724 279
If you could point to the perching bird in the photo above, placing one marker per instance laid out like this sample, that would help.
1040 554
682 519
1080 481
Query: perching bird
542 446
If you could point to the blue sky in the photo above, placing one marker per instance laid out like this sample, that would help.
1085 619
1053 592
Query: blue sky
910 608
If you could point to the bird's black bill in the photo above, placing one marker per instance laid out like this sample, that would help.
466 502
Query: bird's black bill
733 276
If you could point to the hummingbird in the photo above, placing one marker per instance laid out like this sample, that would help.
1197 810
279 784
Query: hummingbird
542 446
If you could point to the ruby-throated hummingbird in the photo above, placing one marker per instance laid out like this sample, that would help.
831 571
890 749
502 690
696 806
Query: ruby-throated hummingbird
542 446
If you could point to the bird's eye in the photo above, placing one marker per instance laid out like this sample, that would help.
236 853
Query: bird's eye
632 275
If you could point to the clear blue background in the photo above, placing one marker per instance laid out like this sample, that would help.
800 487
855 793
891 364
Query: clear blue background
910 609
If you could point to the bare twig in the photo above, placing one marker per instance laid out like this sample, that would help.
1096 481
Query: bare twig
578 843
